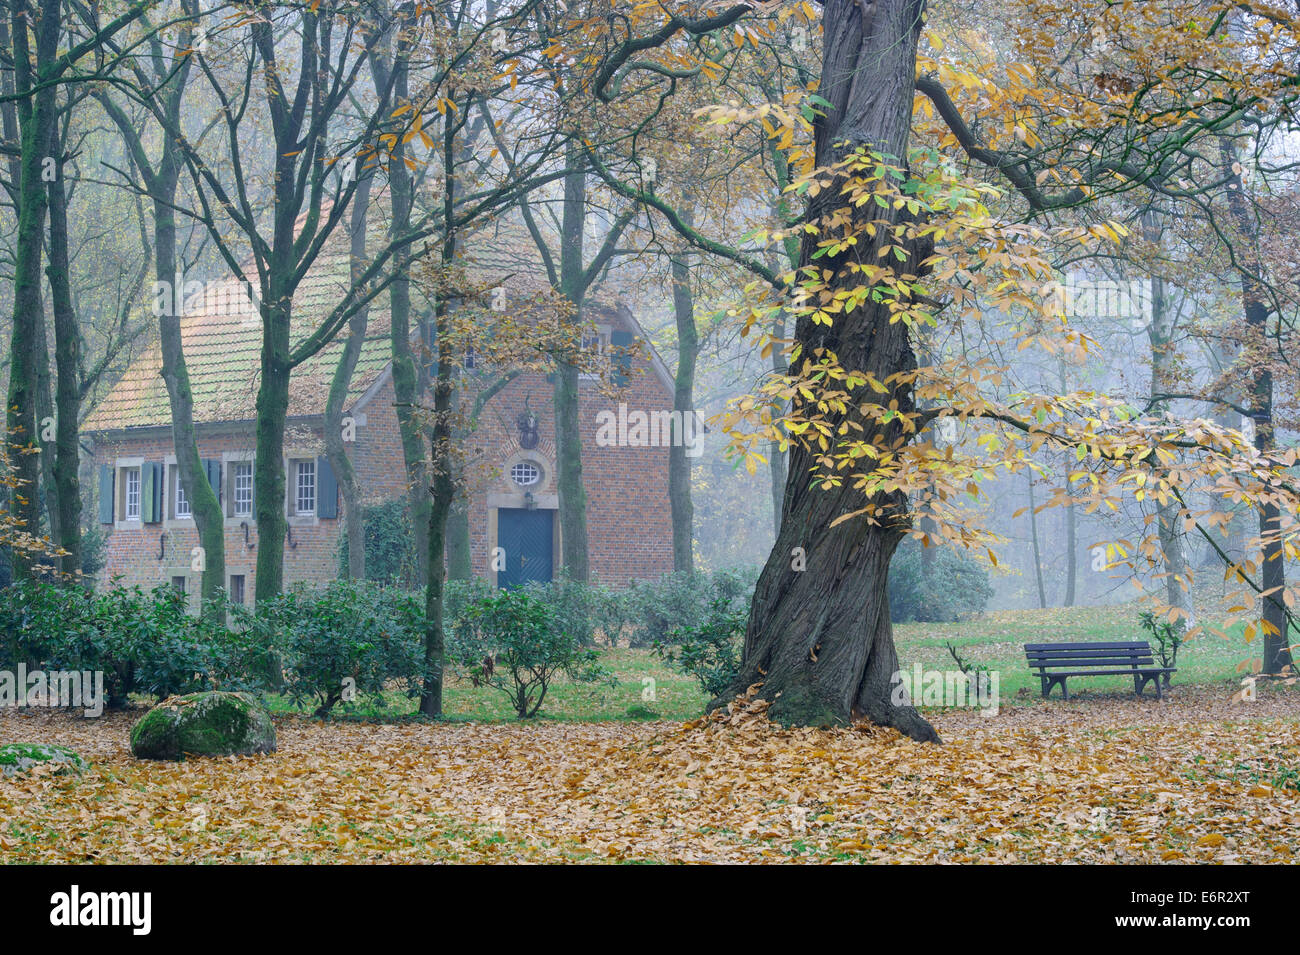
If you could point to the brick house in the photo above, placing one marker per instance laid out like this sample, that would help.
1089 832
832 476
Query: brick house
150 535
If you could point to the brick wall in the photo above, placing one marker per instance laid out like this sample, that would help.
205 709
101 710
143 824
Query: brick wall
629 525
133 548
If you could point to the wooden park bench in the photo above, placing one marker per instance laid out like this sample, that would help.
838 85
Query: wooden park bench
1056 662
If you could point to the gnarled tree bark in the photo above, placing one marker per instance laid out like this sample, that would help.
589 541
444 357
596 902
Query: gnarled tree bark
819 639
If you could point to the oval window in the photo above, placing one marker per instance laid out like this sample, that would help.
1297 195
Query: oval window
525 474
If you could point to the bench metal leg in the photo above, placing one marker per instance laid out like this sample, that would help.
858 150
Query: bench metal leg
1050 681
1142 679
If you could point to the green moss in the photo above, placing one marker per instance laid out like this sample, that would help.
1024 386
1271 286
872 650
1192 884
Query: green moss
19 757
799 705
203 724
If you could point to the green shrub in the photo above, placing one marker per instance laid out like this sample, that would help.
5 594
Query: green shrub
711 650
350 638
390 545
94 551
573 605
459 595
143 642
681 602
956 587
514 642
1168 637
611 612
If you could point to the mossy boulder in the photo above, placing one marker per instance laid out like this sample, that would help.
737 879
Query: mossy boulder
204 724
17 758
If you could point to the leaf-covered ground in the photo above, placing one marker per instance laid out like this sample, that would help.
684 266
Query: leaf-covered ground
1105 779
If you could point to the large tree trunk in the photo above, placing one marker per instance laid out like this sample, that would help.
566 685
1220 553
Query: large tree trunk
679 464
819 640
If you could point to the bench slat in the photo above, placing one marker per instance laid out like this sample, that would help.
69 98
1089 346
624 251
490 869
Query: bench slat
1058 664
1135 652
1067 647
1143 671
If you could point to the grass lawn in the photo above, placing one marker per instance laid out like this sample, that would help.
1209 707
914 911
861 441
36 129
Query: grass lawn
676 697
995 640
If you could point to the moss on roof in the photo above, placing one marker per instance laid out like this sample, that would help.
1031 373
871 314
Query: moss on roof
222 335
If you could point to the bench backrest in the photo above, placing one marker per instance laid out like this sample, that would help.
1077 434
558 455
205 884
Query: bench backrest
1083 655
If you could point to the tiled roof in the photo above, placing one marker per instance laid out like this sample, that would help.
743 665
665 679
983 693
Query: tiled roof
222 336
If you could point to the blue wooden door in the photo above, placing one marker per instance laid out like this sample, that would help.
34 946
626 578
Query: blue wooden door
528 538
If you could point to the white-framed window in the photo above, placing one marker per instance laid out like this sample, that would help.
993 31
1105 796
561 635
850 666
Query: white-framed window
304 487
131 494
595 340
182 504
241 477
525 473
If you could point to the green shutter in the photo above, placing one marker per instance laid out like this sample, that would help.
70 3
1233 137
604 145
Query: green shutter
212 468
151 491
327 490
622 342
159 482
147 485
105 494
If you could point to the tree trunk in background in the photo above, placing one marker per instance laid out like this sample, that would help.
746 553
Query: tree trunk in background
272 414
1038 555
205 505
9 126
820 640
1168 521
48 496
1071 548
160 184
443 493
36 116
1277 653
442 478
406 374
67 357
568 429
335 445
679 464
